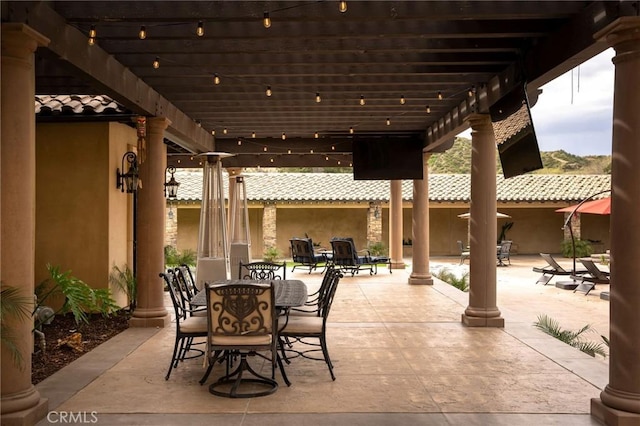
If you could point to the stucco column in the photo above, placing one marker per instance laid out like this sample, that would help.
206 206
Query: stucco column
420 273
482 310
21 402
150 310
395 225
619 403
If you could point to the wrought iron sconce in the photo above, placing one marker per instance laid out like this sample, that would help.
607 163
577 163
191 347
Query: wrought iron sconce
128 180
171 187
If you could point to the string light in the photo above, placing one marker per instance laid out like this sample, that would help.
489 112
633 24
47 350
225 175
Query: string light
342 6
284 136
156 63
253 135
271 159
316 135
239 142
268 92
351 130
311 151
333 147
266 20
402 101
200 29
439 96
216 79
362 102
213 132
472 90
224 130
318 99
92 32
142 34
326 158
388 122
288 151
91 41
428 109
264 148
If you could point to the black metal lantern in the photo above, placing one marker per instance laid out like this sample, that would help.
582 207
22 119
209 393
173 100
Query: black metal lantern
128 180
171 187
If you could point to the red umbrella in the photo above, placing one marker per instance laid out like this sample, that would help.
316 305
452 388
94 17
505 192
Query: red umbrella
601 206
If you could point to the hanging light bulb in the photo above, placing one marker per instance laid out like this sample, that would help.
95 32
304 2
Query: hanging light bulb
91 41
402 100
326 158
268 92
239 142
388 122
266 21
316 135
271 159
362 102
338 162
284 136
351 130
224 130
333 147
213 132
92 32
311 151
142 34
200 29
288 151
428 109
264 148
156 63
342 7
216 79
253 135
318 99
439 96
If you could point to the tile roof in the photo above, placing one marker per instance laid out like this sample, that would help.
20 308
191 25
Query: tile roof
47 105
340 187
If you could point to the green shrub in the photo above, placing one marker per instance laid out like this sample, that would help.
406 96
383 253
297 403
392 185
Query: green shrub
173 257
125 281
461 283
378 249
13 305
583 248
571 338
79 298
271 254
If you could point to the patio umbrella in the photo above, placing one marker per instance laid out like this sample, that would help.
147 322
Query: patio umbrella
601 206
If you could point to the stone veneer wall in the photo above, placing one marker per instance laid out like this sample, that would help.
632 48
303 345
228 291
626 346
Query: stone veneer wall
269 226
171 226
374 223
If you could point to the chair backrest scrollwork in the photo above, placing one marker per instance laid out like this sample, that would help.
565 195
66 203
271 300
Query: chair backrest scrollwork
241 309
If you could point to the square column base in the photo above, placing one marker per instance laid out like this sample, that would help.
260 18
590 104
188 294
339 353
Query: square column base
160 322
27 417
611 416
482 322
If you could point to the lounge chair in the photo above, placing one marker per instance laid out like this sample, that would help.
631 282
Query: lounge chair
303 255
552 269
589 279
348 259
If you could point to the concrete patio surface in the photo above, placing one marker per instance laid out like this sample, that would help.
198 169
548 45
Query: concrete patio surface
401 357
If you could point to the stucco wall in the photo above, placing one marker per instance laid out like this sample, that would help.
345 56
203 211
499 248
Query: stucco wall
82 220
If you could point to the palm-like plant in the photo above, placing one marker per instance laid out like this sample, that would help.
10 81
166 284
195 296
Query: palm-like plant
13 305
124 279
572 338
461 282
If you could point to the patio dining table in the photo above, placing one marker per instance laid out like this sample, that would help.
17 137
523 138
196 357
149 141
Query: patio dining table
288 293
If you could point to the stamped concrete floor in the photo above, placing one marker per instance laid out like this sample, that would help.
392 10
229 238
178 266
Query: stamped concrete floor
401 356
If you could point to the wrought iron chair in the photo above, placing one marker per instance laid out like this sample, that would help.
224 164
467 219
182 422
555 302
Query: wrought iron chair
188 327
347 258
262 271
314 300
303 254
188 288
464 252
298 329
242 323
504 253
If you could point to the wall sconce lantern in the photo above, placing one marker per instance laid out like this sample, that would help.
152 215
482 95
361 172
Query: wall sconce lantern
171 187
128 180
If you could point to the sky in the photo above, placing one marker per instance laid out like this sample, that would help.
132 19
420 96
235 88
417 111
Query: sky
574 112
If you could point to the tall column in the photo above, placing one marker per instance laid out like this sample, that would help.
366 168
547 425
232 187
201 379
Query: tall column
482 310
21 403
395 225
151 204
420 229
619 403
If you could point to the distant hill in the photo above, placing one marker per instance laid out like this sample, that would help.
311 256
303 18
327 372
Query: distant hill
458 160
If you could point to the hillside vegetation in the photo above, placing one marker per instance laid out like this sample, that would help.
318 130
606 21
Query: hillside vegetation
458 160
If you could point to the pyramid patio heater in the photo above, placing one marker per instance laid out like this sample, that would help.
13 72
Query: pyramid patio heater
213 247
240 247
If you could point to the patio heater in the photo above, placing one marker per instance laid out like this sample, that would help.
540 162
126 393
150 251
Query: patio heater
213 249
240 247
